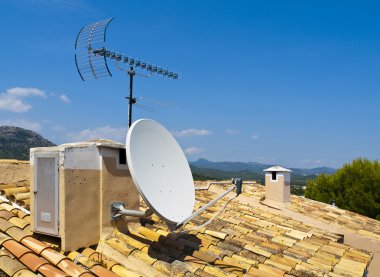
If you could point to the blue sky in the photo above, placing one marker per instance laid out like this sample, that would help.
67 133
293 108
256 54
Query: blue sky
294 83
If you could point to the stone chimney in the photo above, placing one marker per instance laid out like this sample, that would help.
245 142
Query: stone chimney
277 184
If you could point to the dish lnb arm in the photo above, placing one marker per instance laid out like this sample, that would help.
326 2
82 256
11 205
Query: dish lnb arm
237 186
118 211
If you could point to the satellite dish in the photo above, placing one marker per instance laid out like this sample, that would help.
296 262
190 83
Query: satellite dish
160 171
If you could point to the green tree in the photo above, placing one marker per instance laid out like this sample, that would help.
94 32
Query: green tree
355 187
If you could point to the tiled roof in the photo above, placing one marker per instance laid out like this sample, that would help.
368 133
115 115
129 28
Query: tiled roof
19 194
362 225
23 255
244 240
241 241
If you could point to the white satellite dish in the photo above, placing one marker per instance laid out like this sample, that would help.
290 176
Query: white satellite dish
162 175
160 171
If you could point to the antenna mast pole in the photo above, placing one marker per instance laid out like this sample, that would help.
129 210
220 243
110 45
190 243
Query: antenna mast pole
131 73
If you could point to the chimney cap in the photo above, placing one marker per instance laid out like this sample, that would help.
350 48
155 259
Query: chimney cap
277 168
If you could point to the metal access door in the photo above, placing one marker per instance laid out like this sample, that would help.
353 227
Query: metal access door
46 193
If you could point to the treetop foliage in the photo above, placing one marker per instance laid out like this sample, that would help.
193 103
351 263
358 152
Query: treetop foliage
354 187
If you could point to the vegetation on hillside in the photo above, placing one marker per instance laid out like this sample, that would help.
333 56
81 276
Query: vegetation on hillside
355 187
298 182
15 142
216 174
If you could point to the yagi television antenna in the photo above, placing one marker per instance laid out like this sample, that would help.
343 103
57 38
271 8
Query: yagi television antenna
162 175
91 59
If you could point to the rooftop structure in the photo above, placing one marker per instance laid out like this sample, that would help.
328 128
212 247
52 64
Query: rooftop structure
277 185
75 183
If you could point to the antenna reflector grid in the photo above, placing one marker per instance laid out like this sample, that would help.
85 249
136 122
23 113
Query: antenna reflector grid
90 59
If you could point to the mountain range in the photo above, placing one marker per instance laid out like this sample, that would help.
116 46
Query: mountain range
15 142
256 167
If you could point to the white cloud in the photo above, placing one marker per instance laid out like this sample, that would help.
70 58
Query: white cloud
254 137
192 132
64 98
105 132
232 131
11 99
23 123
193 150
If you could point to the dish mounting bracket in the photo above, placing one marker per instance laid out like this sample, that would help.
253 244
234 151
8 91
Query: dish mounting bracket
118 211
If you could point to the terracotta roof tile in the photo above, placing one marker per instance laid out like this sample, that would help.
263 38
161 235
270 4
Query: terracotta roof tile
216 234
219 252
253 256
95 267
13 267
17 233
144 256
49 270
206 256
124 272
22 215
5 225
6 214
305 268
16 248
192 244
168 251
101 271
163 267
270 270
18 222
4 238
157 255
149 234
214 271
133 242
34 244
72 269
92 254
7 186
32 261
52 256
120 246
233 247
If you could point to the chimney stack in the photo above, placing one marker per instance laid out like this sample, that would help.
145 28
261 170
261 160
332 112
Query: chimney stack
277 184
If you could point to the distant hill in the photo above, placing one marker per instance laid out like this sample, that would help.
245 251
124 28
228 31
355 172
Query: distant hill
216 174
15 142
257 167
203 169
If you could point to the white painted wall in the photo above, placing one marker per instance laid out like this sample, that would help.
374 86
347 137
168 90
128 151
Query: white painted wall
81 158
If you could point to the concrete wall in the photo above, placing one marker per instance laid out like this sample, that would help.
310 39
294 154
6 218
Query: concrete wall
277 190
116 185
79 208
